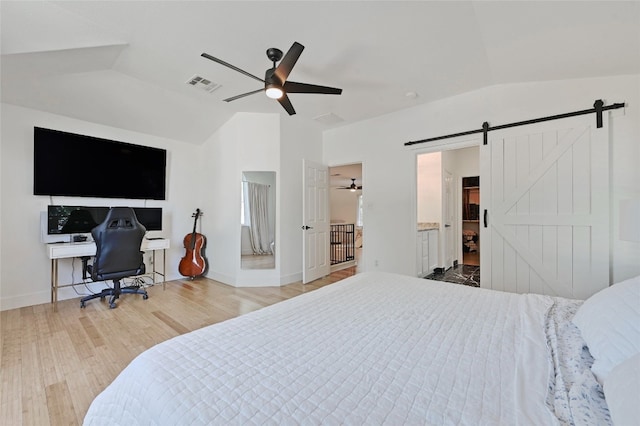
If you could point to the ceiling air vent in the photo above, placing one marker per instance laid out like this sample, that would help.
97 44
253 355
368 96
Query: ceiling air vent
202 83
329 118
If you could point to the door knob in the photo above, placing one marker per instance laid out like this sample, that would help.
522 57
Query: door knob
305 227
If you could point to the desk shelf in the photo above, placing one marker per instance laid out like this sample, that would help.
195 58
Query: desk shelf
56 251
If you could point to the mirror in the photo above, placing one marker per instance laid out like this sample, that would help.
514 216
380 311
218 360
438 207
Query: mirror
258 220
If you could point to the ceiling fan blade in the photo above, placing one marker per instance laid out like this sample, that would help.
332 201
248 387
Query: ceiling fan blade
293 87
226 64
286 64
286 104
233 98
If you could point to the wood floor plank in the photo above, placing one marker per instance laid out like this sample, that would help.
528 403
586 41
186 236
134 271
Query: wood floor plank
53 364
10 374
34 399
179 328
60 405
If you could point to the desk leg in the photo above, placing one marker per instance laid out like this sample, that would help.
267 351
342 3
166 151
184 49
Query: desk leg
153 273
54 283
164 277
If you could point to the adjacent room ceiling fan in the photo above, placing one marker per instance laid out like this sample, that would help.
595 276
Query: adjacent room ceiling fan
353 187
275 81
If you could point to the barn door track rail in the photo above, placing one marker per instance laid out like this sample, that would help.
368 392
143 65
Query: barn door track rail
598 109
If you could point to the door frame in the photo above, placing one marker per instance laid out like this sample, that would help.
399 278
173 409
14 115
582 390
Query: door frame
451 144
448 208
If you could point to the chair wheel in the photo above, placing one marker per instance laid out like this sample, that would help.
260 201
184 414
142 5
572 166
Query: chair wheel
112 305
82 305
145 296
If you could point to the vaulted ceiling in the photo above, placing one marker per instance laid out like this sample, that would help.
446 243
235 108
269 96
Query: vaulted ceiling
126 63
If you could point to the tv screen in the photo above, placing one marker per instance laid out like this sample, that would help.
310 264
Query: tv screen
68 164
81 219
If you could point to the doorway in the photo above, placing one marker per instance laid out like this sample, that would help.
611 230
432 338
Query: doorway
346 216
471 220
441 206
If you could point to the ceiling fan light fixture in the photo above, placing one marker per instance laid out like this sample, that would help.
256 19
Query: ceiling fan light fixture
274 91
352 189
276 85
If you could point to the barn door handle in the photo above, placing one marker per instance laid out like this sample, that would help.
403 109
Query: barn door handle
305 227
485 218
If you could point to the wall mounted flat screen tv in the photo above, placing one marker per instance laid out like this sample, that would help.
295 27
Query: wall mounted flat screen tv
68 164
81 219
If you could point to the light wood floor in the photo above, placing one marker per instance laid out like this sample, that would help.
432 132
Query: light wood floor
53 364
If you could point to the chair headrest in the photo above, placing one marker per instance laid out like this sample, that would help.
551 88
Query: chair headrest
120 218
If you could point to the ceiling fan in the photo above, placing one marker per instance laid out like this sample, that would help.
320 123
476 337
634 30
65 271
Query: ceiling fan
353 187
275 81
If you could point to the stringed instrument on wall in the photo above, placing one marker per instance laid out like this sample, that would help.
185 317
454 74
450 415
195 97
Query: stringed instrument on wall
194 264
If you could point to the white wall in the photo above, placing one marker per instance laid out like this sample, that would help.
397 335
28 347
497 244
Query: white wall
203 176
25 272
206 177
391 167
298 140
429 191
389 201
463 162
266 142
247 142
344 205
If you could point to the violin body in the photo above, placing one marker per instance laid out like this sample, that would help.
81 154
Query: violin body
193 264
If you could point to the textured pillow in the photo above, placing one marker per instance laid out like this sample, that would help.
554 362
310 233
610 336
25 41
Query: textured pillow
622 392
609 322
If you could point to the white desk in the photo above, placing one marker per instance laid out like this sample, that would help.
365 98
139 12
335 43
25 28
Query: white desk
57 251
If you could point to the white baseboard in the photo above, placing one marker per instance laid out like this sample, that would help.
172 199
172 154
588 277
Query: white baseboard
291 278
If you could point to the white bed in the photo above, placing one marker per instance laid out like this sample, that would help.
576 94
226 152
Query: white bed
372 349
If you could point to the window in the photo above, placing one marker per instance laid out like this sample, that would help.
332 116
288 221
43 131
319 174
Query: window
359 215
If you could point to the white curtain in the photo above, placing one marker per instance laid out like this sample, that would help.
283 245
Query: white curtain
245 219
259 217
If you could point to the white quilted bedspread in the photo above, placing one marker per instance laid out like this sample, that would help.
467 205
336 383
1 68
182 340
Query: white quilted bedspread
373 349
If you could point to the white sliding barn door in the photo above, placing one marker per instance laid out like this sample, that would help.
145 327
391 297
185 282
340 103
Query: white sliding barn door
315 223
545 188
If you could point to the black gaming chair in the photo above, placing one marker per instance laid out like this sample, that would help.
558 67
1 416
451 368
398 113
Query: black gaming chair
118 254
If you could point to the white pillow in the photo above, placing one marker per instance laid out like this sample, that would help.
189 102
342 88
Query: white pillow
622 392
609 322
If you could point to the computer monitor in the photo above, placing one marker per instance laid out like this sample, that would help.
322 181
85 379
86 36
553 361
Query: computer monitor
82 219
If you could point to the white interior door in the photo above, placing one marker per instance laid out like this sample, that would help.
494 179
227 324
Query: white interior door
545 189
315 221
